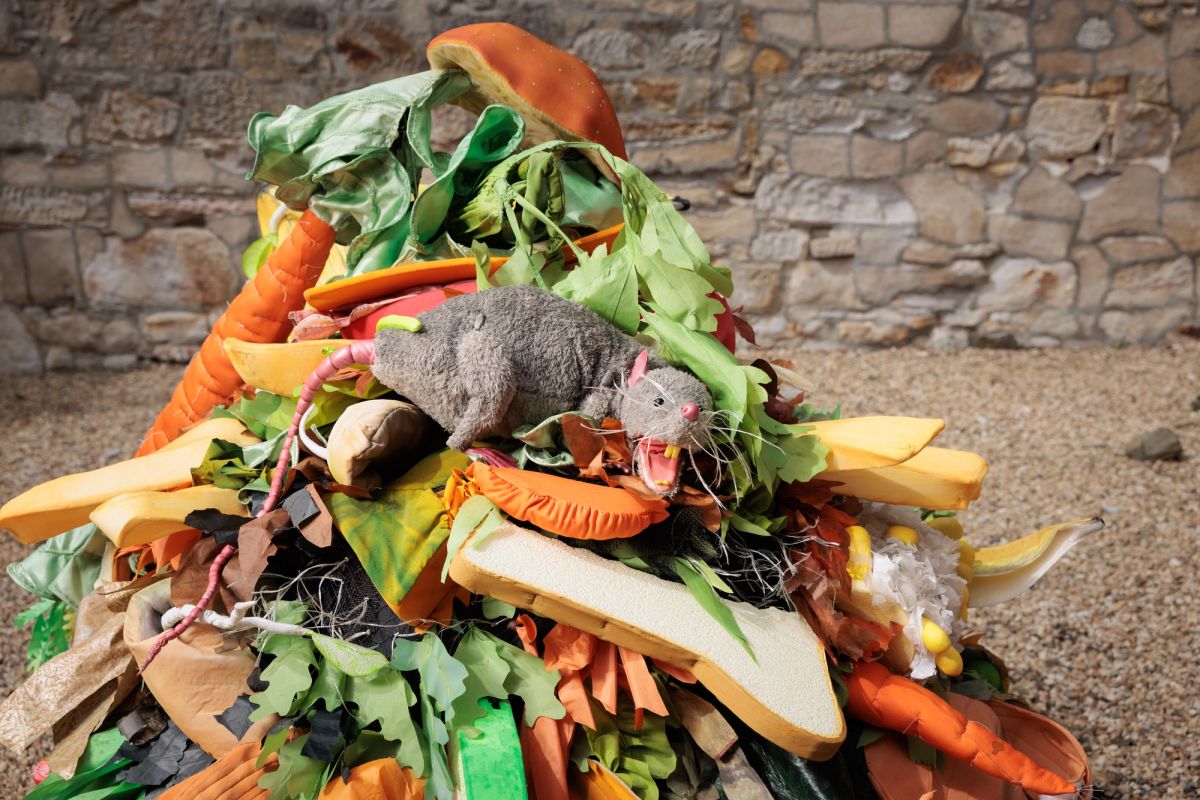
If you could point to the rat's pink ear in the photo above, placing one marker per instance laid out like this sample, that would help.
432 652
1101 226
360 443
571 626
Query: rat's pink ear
638 371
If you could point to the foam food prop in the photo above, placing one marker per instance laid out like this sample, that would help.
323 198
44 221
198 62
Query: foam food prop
142 517
933 478
67 502
783 692
278 367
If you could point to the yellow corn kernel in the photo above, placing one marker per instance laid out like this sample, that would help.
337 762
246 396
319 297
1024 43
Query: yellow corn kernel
949 662
904 534
966 553
949 527
858 566
936 640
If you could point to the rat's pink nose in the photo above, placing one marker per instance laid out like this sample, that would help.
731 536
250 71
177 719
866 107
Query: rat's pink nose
690 411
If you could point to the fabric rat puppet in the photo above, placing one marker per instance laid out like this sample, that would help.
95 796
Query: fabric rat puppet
484 364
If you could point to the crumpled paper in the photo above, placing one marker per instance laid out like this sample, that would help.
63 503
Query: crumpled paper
192 681
74 691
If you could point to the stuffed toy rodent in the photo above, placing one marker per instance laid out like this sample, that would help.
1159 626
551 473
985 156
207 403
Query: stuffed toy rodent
484 364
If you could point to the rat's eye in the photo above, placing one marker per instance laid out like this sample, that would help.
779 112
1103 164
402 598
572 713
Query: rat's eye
659 401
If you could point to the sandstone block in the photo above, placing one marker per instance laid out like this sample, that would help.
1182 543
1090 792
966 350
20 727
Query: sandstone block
39 205
1136 249
1095 276
818 201
1133 327
1063 64
838 245
958 73
1183 178
175 327
1184 81
1126 204
756 286
141 167
880 285
1142 130
858 62
882 245
18 349
50 123
180 267
967 116
1145 54
875 158
1063 127
1179 223
1038 193
126 115
1152 285
923 25
821 154
1033 237
1016 284
813 284
998 32
925 147
610 48
1095 33
798 28
1056 23
53 276
783 247
19 78
850 24
14 287
948 210
694 48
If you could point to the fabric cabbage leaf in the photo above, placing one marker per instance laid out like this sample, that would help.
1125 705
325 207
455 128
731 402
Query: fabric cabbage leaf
64 567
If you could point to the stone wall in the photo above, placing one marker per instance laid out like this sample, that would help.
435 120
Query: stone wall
876 172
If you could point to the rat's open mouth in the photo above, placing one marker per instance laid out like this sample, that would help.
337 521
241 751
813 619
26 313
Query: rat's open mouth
658 465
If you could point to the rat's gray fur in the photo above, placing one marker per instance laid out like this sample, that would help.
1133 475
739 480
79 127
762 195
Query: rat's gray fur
484 364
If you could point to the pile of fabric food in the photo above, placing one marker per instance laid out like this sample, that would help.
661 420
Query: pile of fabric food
467 494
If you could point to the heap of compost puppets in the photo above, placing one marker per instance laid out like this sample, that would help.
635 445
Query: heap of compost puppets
469 494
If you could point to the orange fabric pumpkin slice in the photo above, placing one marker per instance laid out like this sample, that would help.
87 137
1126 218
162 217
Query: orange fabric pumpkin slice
567 507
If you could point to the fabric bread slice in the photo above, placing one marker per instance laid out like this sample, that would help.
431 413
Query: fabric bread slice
783 692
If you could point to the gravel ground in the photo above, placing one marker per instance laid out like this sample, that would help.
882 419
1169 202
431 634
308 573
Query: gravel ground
1088 645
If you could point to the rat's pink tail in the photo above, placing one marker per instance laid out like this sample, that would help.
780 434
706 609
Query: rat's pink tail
362 352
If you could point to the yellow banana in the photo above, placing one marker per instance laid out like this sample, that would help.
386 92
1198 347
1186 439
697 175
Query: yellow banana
141 517
934 478
1005 571
279 368
61 504
866 442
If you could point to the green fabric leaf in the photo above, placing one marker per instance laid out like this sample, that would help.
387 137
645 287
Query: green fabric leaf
607 283
395 534
287 676
64 567
257 253
476 514
350 659
442 676
53 623
385 697
355 159
297 777
328 688
639 756
95 773
496 669
708 599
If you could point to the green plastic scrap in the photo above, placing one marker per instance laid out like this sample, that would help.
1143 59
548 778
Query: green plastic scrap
488 765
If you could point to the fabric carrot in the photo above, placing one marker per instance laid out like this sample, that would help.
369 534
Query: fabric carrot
258 314
880 698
